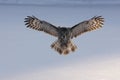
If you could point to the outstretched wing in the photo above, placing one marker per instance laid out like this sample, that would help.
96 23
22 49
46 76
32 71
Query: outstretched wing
88 25
35 23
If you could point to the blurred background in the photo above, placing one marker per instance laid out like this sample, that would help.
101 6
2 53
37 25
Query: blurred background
26 54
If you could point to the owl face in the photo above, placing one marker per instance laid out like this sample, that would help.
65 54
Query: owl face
64 36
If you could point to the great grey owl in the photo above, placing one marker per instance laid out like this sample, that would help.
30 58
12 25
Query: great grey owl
63 44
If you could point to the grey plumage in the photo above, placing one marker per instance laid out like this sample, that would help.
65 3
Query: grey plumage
64 45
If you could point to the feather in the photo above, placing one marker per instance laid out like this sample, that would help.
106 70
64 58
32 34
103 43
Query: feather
88 25
35 23
63 49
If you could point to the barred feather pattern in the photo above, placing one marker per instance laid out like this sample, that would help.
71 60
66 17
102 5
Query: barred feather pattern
92 24
40 25
64 49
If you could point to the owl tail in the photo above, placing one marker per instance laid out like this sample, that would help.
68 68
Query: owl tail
63 49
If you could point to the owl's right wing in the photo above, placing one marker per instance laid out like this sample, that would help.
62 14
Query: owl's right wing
35 23
88 25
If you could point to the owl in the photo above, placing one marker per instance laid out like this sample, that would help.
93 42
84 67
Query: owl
64 44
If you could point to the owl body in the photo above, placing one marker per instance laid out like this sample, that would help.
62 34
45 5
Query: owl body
64 44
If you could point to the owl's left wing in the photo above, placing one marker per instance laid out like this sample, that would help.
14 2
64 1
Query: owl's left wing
88 25
35 23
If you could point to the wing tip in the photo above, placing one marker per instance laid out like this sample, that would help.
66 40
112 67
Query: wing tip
28 19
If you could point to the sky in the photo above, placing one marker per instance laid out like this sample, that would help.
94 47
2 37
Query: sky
26 54
62 2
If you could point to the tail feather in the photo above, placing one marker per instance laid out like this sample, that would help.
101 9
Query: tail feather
64 49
